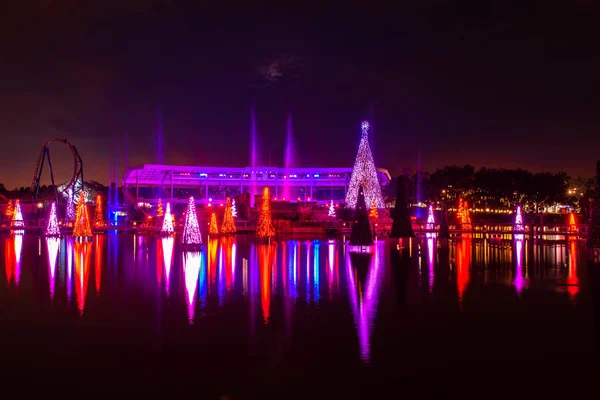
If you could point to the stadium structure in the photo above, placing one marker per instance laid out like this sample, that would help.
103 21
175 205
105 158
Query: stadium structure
148 183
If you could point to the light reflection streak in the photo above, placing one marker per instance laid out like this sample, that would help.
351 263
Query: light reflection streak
52 244
227 249
463 265
167 252
211 263
307 272
83 255
191 271
431 260
18 249
98 253
221 279
9 258
364 305
69 270
266 254
316 277
330 269
519 281
573 279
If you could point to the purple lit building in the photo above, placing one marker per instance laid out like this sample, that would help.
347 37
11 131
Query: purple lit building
175 183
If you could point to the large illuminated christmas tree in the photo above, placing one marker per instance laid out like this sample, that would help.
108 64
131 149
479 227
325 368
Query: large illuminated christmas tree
82 226
228 225
191 229
52 229
98 213
265 228
519 221
213 228
70 211
361 229
17 216
364 174
167 226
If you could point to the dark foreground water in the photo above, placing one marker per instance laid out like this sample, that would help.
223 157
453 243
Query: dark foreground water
299 318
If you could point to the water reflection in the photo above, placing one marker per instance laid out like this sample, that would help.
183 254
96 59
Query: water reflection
519 281
52 244
258 289
191 270
363 272
83 255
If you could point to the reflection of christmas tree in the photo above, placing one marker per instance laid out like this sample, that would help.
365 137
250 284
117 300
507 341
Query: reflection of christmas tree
364 174
9 209
331 212
17 217
70 212
82 226
361 229
167 226
373 212
52 228
233 209
519 221
191 230
265 228
98 213
228 223
159 209
213 229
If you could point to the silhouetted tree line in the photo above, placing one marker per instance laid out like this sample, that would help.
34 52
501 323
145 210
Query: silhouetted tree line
498 188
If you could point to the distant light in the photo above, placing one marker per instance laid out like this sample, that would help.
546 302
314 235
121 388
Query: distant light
298 198
316 175
210 199
210 205
308 175
40 205
309 199
221 204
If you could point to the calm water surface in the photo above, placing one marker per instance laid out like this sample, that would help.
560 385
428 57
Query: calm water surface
299 316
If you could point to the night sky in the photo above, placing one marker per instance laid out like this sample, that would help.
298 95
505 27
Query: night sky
488 83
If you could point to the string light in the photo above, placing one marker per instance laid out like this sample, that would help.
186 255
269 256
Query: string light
364 174
10 209
191 230
213 229
98 213
70 212
159 209
17 218
373 212
167 226
430 220
228 225
82 219
52 229
519 221
233 208
331 209
265 228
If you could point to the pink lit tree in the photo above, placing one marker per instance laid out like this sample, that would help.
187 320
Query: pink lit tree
519 221
191 229
52 229
167 226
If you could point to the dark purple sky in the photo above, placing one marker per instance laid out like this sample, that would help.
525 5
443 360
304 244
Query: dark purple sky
486 83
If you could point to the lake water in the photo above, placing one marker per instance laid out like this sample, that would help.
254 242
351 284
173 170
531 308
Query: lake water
300 317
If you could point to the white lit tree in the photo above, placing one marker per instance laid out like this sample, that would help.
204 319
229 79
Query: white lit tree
17 217
519 221
331 212
233 209
167 226
70 212
430 220
52 229
191 229
364 174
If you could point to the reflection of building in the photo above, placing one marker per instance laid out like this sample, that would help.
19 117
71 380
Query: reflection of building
150 182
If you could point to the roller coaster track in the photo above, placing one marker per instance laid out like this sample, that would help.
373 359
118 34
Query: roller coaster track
45 153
